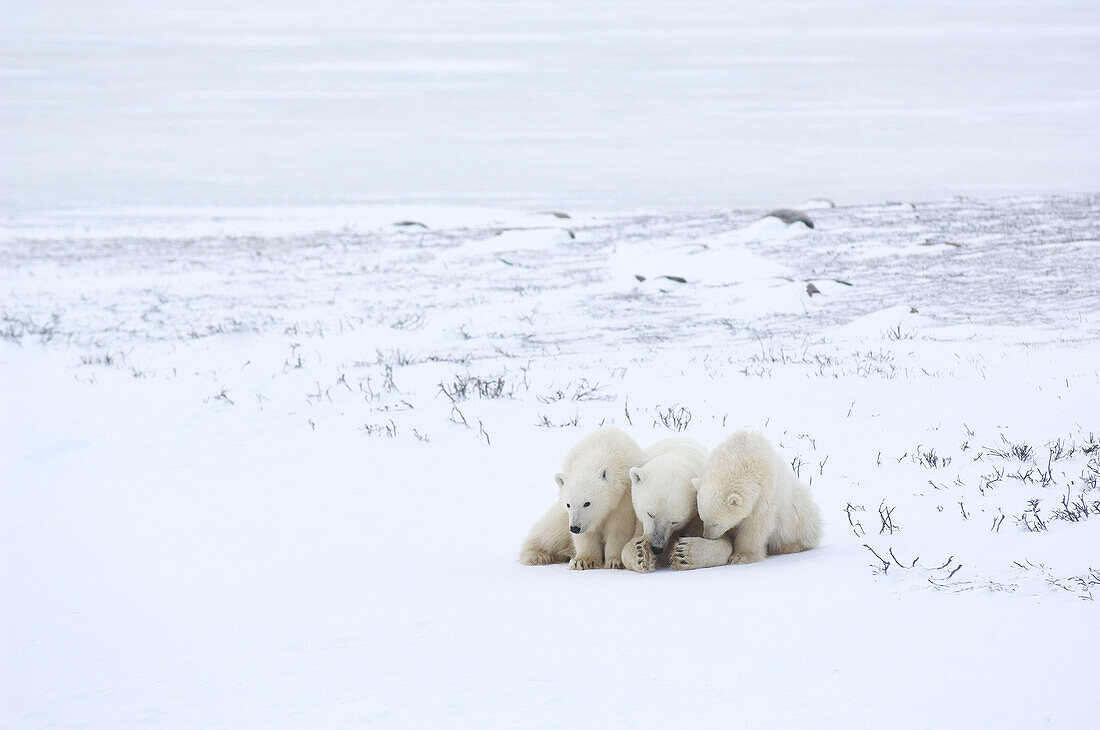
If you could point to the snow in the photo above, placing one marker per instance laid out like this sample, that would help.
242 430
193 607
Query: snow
242 485
302 305
606 106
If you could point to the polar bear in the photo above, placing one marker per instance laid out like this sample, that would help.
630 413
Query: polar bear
751 505
593 512
664 501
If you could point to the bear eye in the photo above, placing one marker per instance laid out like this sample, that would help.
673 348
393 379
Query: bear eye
675 523
651 515
587 504
567 505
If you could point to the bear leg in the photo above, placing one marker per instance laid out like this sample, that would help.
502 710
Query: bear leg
588 551
549 540
698 552
751 543
639 557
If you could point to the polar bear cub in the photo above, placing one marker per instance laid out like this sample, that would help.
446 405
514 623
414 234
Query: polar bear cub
594 511
664 501
751 505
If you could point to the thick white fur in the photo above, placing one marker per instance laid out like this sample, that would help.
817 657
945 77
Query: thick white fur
751 505
594 497
664 501
549 540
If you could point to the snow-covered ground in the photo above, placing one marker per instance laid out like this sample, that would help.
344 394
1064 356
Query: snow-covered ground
617 104
272 467
302 304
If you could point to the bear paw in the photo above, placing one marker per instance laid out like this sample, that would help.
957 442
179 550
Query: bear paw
583 564
615 564
644 559
746 558
537 557
681 557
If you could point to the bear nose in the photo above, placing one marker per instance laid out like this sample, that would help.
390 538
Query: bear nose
574 529
658 550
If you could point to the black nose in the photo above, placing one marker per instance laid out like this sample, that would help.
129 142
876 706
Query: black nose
658 550
575 530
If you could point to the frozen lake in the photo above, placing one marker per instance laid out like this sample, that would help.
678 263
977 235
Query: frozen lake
602 105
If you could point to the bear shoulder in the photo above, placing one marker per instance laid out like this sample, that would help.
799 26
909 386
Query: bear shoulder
684 447
608 446
747 455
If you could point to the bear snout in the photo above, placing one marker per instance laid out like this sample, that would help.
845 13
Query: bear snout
574 529
658 550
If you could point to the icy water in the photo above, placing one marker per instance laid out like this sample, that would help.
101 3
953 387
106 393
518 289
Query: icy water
607 105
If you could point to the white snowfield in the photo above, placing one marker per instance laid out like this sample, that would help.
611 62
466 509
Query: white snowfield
272 469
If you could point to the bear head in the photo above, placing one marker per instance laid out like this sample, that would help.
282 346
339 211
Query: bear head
663 497
590 495
724 502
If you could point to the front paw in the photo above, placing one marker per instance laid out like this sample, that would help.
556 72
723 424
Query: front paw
614 564
746 558
682 557
640 556
583 564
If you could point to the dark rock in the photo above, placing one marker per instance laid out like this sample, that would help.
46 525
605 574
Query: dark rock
789 216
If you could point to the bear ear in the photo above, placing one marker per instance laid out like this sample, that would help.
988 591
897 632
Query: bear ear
559 479
636 475
733 499
695 483
603 474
